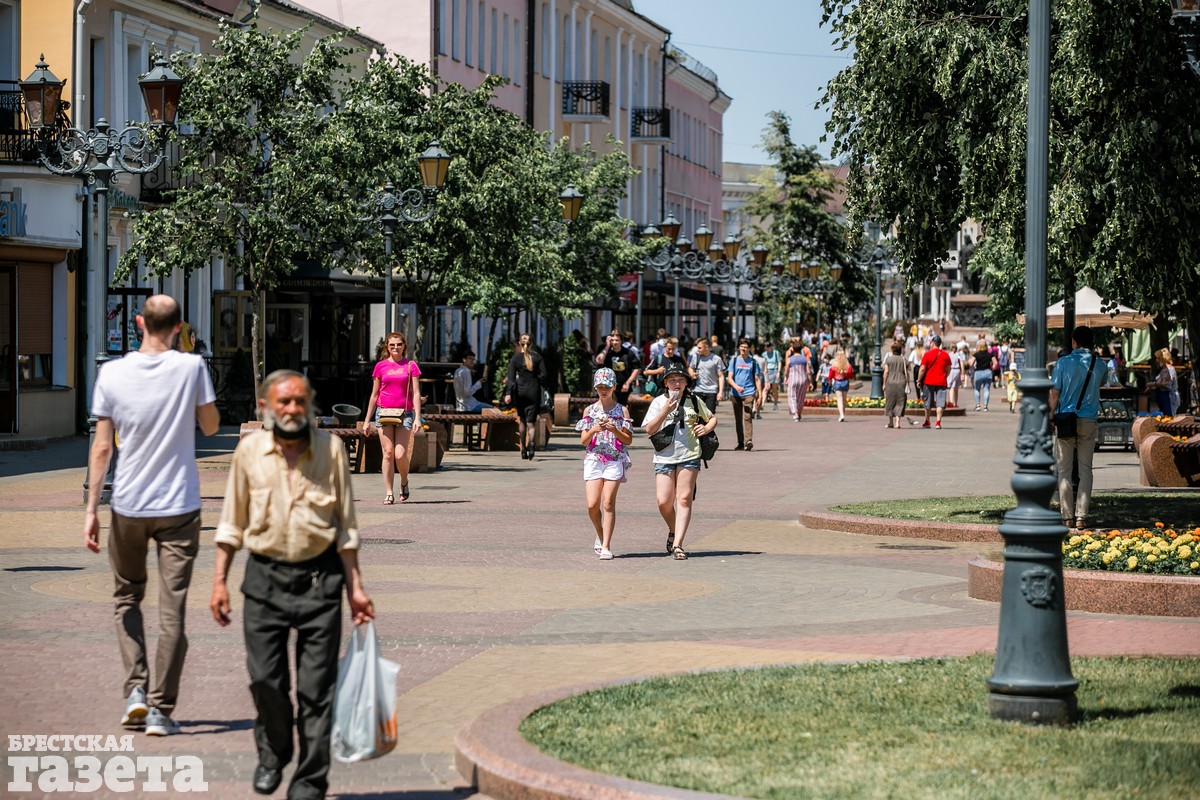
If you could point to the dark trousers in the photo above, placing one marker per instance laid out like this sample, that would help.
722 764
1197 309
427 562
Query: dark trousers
306 597
743 419
709 399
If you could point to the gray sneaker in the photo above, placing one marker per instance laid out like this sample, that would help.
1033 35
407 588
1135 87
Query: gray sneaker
135 709
159 724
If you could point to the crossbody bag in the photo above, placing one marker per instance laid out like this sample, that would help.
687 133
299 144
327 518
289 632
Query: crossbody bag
1065 426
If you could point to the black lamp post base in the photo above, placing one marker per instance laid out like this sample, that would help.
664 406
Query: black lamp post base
1033 710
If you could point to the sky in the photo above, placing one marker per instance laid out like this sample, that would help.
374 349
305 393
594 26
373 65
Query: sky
769 55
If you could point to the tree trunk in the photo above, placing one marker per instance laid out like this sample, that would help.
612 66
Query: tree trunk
487 356
256 322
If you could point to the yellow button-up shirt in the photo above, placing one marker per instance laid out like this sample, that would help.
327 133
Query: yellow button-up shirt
289 520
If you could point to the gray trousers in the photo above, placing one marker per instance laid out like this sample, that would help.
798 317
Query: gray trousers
178 540
305 597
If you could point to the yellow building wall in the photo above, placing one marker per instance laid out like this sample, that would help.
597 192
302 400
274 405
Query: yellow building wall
48 27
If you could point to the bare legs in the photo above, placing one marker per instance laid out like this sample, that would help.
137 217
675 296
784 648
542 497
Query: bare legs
602 508
674 495
395 441
841 404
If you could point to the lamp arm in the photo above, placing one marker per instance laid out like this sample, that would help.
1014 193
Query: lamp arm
415 205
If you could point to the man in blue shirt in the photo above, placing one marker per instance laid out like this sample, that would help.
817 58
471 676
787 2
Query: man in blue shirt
745 381
1074 391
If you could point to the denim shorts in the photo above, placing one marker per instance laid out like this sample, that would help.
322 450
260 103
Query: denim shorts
669 469
408 420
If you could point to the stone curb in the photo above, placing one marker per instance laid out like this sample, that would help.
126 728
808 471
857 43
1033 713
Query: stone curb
493 757
1101 592
824 411
909 528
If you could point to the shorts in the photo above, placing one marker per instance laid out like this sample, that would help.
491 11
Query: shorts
595 470
669 469
407 421
955 379
935 396
841 385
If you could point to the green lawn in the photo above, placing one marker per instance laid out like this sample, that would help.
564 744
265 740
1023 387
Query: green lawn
900 730
1108 509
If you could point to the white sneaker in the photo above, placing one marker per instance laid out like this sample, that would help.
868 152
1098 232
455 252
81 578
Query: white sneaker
135 709
606 554
159 724
598 546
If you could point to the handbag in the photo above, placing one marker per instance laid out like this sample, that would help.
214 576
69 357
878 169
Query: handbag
708 442
391 416
664 437
1065 422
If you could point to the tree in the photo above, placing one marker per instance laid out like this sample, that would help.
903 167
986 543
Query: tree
931 117
795 194
262 176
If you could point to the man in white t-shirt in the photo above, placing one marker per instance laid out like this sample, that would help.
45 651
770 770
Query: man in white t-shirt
151 400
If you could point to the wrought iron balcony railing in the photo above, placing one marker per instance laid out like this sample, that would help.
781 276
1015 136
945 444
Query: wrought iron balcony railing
16 140
651 125
585 100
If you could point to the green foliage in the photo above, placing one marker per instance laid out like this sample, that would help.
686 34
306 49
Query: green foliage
931 119
502 353
795 191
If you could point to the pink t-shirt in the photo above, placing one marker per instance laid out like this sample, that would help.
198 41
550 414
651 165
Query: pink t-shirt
393 382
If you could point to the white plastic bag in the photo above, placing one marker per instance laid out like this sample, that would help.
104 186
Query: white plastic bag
364 703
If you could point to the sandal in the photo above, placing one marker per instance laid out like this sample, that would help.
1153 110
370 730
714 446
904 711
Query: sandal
388 499
678 554
670 541
404 491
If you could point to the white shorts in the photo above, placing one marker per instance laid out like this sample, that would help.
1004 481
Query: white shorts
594 469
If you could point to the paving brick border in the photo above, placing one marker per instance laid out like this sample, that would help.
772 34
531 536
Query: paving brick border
1102 592
827 520
825 411
494 758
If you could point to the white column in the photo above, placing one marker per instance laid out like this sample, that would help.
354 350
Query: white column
616 90
587 62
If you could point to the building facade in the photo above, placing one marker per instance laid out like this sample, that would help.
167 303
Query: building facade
60 303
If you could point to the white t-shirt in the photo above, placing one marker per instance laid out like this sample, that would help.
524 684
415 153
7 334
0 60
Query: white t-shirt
685 445
152 401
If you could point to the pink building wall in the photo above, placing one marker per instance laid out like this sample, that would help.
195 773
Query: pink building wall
693 159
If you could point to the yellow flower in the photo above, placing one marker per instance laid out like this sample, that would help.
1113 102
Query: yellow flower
1151 559
1194 565
1074 540
1073 554
1106 558
1185 551
1132 562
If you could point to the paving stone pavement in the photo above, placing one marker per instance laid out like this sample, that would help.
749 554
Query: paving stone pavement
487 587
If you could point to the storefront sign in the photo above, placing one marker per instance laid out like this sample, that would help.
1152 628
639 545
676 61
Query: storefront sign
12 215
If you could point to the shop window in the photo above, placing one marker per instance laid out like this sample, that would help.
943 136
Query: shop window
35 324
234 322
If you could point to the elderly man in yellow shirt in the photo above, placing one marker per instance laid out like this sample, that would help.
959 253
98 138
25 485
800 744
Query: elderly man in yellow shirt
289 501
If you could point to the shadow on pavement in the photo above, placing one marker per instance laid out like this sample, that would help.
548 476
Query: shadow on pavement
418 794
693 554
213 726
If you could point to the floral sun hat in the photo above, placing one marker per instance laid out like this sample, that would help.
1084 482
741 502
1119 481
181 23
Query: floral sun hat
604 377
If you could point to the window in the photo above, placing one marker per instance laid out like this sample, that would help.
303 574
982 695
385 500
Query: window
494 63
545 41
10 68
35 324
470 56
594 74
441 27
564 52
99 84
482 45
454 29
517 62
504 47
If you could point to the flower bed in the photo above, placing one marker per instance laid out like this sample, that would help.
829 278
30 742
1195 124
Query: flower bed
1155 551
855 402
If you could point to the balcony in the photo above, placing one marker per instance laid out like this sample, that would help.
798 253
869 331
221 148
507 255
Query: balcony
651 125
585 101
16 140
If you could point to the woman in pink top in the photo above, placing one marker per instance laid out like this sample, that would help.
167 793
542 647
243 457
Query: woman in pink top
397 394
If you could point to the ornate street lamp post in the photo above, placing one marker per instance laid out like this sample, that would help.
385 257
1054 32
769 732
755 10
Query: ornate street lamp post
99 155
878 261
412 205
1032 680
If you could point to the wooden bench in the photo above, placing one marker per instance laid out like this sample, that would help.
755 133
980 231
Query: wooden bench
1164 461
479 430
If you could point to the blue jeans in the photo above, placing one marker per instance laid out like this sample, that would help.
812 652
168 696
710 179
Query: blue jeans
983 383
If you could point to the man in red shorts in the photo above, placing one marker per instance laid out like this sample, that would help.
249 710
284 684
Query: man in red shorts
935 372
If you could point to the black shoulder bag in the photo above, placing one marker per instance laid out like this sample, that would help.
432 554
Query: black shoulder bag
665 435
1064 422
708 441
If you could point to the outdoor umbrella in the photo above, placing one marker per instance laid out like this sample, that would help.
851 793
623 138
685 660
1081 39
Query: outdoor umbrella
1088 312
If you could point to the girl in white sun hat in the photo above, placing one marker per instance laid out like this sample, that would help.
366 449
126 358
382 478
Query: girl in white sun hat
606 432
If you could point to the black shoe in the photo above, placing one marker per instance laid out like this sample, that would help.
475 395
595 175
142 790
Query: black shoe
266 780
740 447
